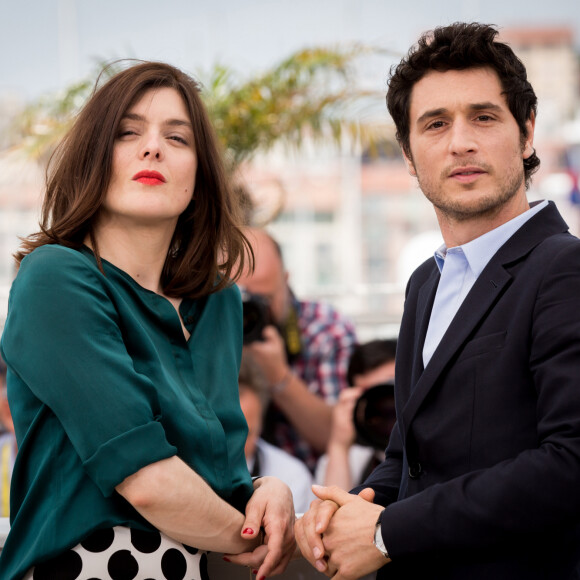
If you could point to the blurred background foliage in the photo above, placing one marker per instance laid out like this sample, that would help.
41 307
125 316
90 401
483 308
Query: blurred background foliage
311 94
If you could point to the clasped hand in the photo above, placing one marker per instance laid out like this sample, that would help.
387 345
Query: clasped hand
270 508
336 535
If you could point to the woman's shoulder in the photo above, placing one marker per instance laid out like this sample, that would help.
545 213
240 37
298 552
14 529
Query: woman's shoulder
55 262
229 294
51 255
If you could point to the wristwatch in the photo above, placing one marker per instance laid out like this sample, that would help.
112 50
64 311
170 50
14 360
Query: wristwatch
378 541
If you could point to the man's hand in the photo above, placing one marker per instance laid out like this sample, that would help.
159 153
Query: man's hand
346 536
310 528
271 508
343 430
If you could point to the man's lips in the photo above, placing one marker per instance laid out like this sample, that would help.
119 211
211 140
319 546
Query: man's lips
467 174
149 178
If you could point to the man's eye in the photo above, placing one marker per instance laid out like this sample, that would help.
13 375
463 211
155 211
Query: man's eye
436 125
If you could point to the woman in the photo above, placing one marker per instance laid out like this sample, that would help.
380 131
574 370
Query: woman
123 342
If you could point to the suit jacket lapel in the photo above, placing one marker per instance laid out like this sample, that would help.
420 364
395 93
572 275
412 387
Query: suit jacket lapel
476 304
487 288
425 300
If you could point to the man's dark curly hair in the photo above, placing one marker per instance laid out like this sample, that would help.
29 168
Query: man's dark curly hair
460 46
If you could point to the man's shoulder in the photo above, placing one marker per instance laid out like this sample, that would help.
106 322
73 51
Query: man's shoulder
423 272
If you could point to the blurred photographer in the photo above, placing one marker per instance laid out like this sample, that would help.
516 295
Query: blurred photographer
363 417
302 348
263 458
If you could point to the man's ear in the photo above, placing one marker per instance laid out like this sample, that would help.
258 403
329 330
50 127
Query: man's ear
528 149
410 164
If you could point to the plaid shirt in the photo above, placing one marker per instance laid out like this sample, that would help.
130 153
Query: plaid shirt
327 342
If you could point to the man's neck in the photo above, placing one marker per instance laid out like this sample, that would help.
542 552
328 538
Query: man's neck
457 232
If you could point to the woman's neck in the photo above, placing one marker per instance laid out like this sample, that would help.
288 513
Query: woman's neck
140 252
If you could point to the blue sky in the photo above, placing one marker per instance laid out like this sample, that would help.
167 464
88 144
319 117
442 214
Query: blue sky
46 44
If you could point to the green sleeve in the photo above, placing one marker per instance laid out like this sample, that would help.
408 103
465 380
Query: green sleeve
64 340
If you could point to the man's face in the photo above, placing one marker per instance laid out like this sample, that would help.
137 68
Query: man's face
466 148
269 278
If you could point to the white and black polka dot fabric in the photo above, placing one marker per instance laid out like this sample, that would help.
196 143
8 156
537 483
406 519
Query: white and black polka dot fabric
122 553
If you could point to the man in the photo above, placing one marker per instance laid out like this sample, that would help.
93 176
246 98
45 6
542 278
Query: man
303 354
482 471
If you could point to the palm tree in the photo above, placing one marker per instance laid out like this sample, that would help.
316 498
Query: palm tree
312 93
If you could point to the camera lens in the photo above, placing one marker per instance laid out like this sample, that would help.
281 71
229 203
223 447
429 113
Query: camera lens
375 416
256 315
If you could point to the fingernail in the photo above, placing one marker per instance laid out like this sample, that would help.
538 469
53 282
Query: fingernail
227 559
316 552
254 572
248 531
320 565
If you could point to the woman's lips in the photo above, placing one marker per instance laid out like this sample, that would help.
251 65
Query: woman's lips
149 178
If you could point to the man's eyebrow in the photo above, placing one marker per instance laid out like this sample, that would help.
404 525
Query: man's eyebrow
169 122
485 106
430 114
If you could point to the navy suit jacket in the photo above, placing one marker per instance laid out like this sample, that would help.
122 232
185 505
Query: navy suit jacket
482 474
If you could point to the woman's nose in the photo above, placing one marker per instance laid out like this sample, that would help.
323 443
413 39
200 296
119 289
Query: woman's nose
151 147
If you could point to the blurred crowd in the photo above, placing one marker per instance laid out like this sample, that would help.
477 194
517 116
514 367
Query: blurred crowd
315 399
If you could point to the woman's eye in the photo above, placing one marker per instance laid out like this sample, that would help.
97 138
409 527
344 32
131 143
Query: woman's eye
179 139
126 132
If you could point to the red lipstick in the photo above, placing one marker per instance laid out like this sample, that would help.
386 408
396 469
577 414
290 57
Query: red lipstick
149 178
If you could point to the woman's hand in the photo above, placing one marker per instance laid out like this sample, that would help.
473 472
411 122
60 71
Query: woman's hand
271 508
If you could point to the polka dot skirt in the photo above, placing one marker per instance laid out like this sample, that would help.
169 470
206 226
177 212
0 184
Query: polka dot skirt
122 553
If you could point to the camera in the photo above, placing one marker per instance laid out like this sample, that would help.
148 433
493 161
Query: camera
256 316
374 415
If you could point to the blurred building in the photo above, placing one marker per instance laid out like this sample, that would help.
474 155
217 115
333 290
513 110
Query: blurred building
551 61
354 226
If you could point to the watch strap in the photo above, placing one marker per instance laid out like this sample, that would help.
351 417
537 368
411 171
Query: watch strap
378 538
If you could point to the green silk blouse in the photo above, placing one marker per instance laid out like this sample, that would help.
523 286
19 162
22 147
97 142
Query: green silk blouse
102 382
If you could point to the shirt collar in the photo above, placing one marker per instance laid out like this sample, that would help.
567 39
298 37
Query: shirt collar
480 251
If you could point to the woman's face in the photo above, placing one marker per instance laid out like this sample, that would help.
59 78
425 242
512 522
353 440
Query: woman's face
154 162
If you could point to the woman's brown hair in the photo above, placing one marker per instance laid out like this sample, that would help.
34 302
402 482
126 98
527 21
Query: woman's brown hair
208 247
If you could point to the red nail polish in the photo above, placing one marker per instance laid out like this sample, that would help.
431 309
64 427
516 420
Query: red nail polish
227 559
254 572
248 531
